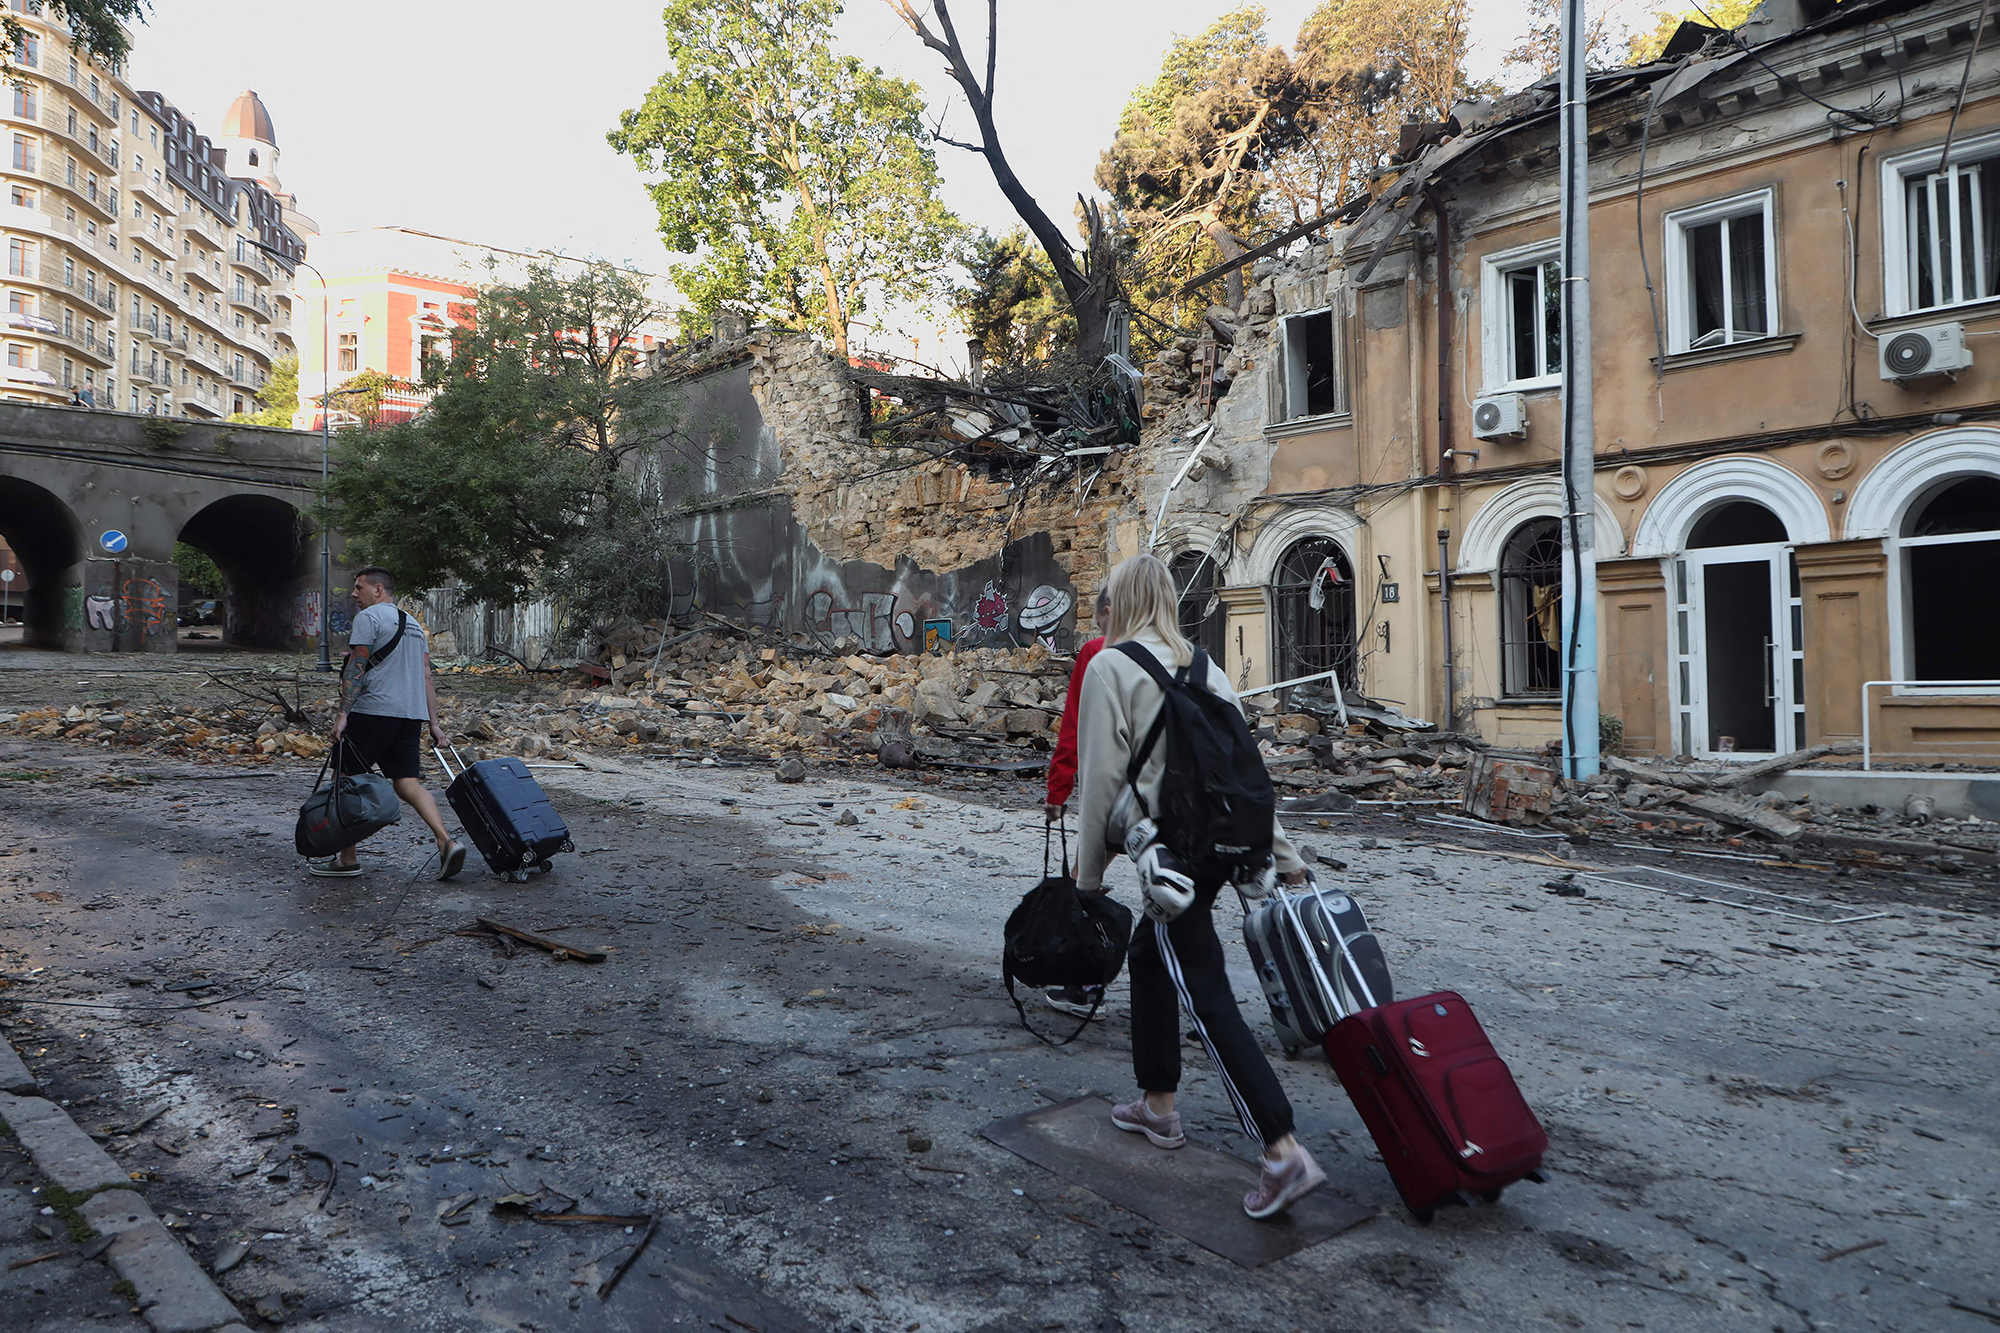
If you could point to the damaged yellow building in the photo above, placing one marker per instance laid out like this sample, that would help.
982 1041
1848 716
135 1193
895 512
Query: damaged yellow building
1798 430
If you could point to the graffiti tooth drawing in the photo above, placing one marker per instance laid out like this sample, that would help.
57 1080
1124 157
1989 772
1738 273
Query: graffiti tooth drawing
103 612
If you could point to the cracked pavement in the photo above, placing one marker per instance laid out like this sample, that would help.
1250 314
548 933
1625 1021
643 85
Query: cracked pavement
792 1006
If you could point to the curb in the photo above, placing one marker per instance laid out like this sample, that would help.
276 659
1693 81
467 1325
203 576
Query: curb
14 1076
175 1295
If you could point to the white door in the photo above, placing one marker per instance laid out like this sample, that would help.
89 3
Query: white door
1738 652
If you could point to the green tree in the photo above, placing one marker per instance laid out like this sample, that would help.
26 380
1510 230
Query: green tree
539 452
95 26
1012 303
1425 40
280 395
198 571
1190 167
802 178
1649 42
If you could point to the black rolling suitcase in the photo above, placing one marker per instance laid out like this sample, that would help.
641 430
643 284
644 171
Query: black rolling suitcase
506 814
1294 941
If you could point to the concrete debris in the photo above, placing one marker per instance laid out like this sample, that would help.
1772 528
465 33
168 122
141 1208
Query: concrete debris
1745 815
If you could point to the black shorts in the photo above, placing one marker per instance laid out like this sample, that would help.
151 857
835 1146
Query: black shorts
391 743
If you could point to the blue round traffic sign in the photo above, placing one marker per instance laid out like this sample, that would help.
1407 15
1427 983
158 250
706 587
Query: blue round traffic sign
112 541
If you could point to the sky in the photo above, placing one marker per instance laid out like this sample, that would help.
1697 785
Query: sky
484 120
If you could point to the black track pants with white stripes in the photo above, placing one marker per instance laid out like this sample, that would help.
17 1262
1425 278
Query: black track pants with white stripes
1180 965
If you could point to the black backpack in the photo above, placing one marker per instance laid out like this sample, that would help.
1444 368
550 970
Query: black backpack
1216 803
1061 936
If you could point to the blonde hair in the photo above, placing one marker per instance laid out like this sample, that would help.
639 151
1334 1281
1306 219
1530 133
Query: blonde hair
1143 601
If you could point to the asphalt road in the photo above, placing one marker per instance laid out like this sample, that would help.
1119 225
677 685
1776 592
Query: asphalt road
792 1006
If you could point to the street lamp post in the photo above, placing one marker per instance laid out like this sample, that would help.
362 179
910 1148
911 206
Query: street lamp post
325 443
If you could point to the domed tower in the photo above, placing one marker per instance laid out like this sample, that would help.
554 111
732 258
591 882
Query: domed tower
249 145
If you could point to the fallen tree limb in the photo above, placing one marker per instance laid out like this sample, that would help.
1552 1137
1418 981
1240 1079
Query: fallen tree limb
560 949
1765 768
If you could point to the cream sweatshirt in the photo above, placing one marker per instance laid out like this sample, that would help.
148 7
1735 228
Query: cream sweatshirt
1119 704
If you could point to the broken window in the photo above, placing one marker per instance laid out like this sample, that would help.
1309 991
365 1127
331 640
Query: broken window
1202 615
1724 276
1951 564
1531 610
1315 372
1312 605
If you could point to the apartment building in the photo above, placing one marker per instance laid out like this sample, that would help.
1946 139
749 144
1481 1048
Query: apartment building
393 295
1795 236
134 278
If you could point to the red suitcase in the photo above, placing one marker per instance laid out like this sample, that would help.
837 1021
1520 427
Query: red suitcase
1443 1107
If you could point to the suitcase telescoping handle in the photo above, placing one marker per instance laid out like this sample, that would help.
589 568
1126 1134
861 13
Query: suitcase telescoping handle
1353 963
445 764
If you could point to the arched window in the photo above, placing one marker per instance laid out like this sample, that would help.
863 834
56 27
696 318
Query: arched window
1203 618
1951 567
1531 610
1737 523
1312 604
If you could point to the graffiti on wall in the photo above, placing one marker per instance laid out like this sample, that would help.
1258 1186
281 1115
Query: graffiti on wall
305 615
145 606
873 621
103 612
1018 597
72 612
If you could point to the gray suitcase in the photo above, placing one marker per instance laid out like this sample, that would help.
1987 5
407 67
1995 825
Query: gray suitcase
1295 942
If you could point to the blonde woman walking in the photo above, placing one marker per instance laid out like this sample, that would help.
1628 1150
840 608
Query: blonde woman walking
1174 963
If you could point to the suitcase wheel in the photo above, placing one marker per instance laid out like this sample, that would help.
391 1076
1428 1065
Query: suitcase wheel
546 866
1537 1177
1493 1196
1423 1215
1292 1052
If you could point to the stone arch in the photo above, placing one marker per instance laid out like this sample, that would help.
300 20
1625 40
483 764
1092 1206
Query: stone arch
1664 527
264 548
47 541
1282 531
1486 533
1915 469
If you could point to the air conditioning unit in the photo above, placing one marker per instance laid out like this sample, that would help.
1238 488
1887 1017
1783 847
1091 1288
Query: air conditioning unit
1502 415
1934 349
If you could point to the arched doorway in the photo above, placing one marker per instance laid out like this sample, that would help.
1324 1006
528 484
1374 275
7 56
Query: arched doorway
1312 611
1203 617
262 546
1738 634
47 543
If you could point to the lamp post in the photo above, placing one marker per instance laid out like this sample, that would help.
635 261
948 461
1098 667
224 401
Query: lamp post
325 443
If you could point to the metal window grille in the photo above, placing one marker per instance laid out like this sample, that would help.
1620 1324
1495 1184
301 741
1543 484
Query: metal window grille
1202 616
1531 610
1312 639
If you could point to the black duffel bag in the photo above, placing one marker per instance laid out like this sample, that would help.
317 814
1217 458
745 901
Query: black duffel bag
340 814
1061 936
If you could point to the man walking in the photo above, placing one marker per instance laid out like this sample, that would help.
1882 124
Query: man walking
387 697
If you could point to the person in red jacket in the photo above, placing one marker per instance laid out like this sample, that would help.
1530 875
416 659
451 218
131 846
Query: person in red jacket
1077 1000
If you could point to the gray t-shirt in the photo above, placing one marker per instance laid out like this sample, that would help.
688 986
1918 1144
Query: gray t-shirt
395 688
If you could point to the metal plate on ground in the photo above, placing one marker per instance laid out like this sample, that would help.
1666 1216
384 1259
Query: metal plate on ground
1194 1192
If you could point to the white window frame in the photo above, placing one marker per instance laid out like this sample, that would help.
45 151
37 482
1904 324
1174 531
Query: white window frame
1680 277
1895 174
1292 369
1496 329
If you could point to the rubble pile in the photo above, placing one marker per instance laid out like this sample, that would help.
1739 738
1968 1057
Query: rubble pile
710 692
174 729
